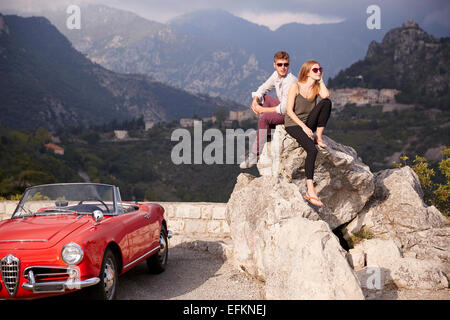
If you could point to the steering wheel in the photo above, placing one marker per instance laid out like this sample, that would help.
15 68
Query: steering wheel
93 199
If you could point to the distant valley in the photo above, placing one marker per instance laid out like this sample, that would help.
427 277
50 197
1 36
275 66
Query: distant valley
211 52
45 82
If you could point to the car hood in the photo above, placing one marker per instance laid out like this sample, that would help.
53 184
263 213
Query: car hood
38 232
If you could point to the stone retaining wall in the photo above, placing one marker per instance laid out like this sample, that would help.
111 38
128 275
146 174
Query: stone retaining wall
193 219
206 219
7 208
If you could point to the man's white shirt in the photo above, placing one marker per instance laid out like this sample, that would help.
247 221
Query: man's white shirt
281 86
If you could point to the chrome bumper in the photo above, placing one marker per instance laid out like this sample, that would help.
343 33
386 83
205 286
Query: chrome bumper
59 286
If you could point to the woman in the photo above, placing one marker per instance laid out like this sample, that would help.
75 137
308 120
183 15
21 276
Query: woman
305 115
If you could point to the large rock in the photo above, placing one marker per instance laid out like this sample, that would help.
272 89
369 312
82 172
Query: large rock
257 204
297 258
316 269
279 238
343 182
386 268
397 212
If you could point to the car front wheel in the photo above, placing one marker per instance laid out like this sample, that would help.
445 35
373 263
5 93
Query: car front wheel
157 263
106 288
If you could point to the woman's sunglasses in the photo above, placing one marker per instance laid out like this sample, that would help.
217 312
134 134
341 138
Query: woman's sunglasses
315 70
283 64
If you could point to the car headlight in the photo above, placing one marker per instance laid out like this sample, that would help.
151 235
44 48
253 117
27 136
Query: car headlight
72 254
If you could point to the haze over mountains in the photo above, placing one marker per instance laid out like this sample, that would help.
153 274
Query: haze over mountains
210 51
124 42
45 82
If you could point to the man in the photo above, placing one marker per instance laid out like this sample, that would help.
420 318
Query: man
271 110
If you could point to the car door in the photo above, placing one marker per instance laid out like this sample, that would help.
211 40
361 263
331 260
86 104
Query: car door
136 223
153 227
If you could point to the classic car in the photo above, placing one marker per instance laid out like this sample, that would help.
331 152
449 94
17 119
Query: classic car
69 236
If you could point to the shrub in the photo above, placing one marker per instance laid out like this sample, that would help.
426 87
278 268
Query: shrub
436 194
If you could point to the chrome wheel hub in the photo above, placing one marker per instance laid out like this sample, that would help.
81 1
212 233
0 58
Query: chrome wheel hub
162 248
109 278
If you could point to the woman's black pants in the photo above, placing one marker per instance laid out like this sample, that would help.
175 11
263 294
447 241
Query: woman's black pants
317 118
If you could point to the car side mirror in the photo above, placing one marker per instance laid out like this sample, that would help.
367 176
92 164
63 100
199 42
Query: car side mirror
98 216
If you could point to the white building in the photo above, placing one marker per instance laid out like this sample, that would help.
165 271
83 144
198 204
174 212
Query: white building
121 134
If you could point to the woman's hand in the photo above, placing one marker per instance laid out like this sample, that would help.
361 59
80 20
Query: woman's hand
308 132
323 91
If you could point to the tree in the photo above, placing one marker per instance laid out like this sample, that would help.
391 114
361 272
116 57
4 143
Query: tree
221 115
434 193
43 136
91 137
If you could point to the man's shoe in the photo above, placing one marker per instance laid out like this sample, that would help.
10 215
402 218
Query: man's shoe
250 160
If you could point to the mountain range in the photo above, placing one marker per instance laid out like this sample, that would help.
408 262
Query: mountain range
211 51
45 82
407 59
126 43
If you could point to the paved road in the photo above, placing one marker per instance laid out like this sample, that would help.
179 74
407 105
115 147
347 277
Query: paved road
199 275
190 274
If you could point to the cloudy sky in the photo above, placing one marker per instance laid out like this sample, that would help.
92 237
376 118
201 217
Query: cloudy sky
431 13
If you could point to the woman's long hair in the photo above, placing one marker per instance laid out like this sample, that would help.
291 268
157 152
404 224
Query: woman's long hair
303 76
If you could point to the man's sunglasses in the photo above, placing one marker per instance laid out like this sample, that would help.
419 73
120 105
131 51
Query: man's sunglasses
315 70
283 64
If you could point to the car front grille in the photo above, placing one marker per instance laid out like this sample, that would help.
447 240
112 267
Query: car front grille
43 273
10 271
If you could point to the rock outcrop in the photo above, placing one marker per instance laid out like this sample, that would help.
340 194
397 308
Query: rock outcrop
343 181
283 242
407 51
318 270
397 212
380 265
279 238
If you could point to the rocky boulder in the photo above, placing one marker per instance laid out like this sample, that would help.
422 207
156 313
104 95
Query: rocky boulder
383 267
295 257
279 238
255 205
343 181
397 212
270 221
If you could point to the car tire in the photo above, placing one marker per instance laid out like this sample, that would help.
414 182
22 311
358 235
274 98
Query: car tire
107 287
157 263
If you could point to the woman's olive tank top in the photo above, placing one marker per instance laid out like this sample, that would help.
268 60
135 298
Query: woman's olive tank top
302 108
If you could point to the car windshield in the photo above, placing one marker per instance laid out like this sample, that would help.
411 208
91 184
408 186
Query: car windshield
71 198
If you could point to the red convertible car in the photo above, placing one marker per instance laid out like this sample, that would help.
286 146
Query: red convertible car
65 237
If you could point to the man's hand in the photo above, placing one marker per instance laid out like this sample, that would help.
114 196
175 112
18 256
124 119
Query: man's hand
258 109
255 105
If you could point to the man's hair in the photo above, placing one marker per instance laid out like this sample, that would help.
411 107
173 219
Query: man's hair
280 55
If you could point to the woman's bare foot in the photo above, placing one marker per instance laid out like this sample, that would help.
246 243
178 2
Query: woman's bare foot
314 200
311 194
